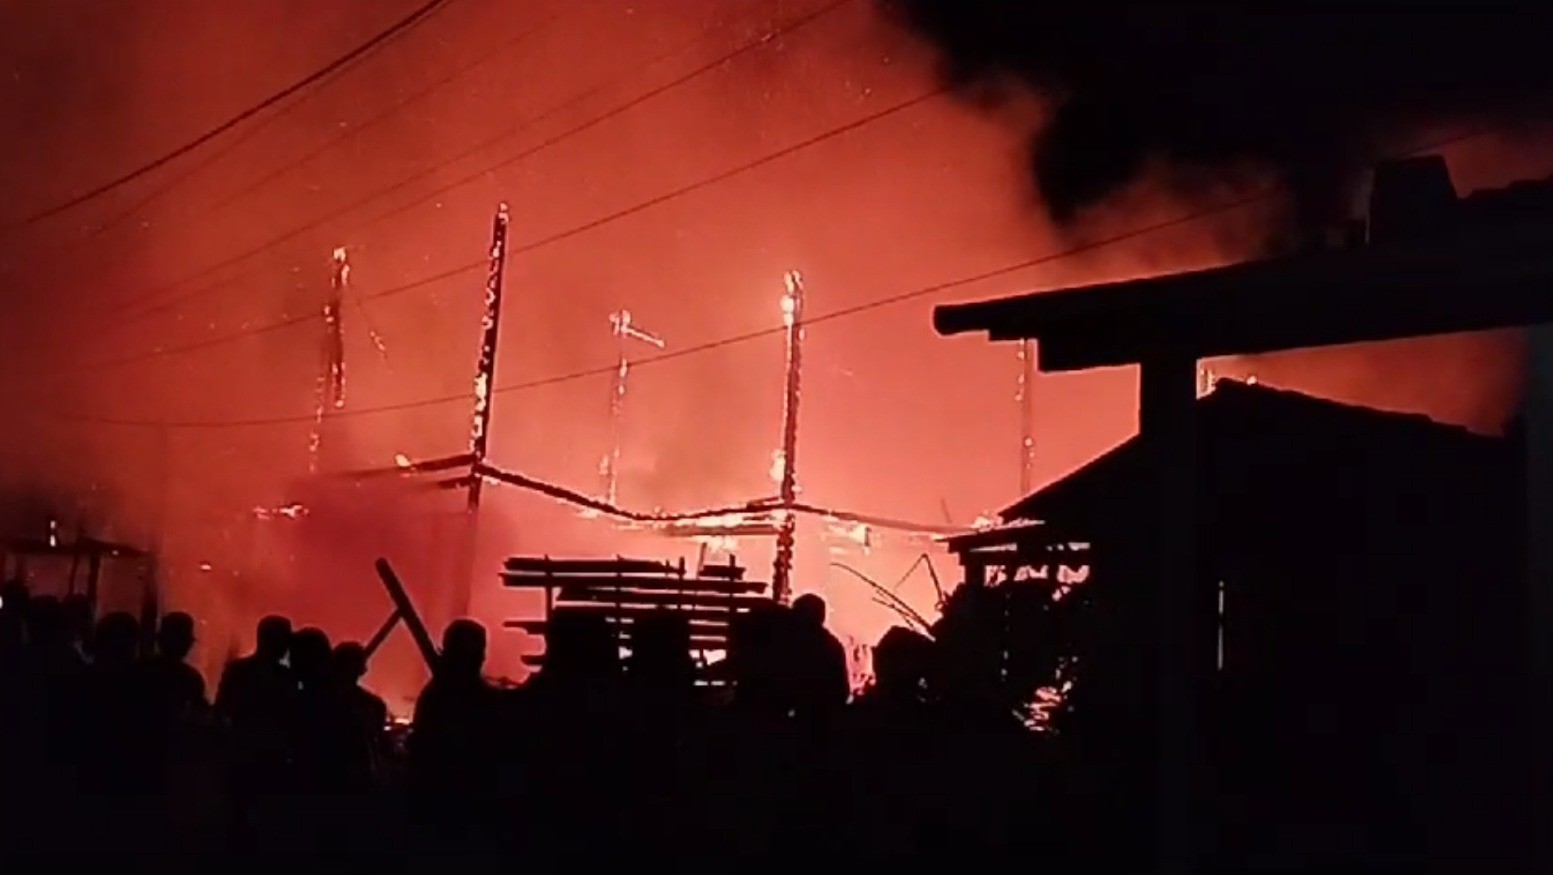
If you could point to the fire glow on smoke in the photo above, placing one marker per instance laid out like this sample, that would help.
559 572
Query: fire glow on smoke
895 420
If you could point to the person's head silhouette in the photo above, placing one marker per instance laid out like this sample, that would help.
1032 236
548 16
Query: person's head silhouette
901 662
809 610
175 636
116 639
463 649
310 654
274 638
350 662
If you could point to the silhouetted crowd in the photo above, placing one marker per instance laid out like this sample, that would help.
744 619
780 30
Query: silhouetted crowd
110 743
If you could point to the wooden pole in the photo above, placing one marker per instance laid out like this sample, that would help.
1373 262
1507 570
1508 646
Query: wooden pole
792 317
329 393
480 428
1167 424
623 329
1026 400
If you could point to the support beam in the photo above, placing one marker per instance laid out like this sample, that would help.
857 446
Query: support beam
381 635
404 610
1167 400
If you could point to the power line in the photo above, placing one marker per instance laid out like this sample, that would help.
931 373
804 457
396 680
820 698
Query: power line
737 339
288 322
725 175
365 125
732 340
591 225
548 143
399 27
247 135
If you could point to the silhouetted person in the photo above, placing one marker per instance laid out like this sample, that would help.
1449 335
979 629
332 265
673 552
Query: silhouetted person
116 768
331 762
755 663
660 665
451 755
319 731
816 661
173 694
367 709
580 655
254 699
57 674
660 757
175 687
564 713
902 664
892 751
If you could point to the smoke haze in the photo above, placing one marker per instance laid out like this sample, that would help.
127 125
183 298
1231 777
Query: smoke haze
386 159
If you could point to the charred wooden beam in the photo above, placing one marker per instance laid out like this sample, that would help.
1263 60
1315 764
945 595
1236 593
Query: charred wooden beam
639 582
546 565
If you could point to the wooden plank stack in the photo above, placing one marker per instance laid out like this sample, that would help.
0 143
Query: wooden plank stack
627 591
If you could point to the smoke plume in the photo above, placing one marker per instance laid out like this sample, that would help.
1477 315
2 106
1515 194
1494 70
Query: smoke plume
1311 96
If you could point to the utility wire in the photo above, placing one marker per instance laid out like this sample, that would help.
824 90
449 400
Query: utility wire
367 124
310 318
737 339
561 235
546 144
349 133
396 29
732 340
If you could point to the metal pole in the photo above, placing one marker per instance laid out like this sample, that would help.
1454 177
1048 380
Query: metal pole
485 380
1026 398
792 318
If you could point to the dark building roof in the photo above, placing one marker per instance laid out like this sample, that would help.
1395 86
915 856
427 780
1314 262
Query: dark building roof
1474 263
1260 445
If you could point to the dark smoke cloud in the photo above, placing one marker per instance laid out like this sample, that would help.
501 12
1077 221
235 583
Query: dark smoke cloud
1313 96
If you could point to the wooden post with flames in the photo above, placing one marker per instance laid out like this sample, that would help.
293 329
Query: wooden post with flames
484 384
787 489
623 329
1026 399
330 394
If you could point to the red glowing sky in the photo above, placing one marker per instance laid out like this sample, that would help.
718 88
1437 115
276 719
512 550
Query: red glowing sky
896 421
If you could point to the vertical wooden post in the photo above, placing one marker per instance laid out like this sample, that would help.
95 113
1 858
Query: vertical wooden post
1167 402
330 390
1026 400
792 317
480 428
